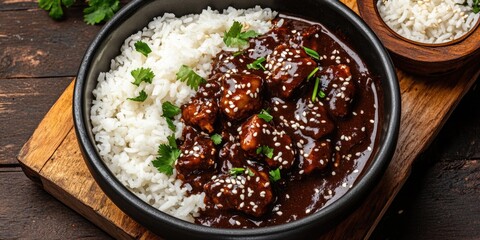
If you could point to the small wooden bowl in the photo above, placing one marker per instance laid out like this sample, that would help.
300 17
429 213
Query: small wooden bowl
422 58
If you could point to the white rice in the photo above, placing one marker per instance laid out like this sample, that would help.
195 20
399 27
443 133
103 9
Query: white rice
428 21
128 133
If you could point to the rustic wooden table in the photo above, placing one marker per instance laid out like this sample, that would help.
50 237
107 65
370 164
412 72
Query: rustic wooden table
38 59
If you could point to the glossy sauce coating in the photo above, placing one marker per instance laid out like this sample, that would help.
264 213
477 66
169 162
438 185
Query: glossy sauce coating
319 146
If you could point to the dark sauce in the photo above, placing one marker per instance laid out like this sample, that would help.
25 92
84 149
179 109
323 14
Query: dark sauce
320 147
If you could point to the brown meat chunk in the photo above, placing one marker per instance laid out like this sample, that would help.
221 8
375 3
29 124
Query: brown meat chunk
197 156
231 156
289 67
240 95
316 156
256 133
340 89
248 194
202 110
309 118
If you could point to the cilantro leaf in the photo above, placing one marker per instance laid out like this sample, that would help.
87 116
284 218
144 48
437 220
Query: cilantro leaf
216 138
142 75
265 150
192 78
312 53
265 115
170 111
250 172
171 141
234 37
275 175
236 171
142 48
54 7
321 94
257 64
167 155
100 10
140 98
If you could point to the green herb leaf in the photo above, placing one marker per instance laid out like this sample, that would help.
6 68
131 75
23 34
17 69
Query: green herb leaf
171 141
257 64
250 172
312 53
265 150
100 10
142 48
275 175
312 73
167 155
169 112
54 7
321 94
192 78
140 98
237 53
216 138
142 75
234 37
315 89
265 115
236 171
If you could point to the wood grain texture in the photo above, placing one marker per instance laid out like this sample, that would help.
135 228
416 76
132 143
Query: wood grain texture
417 58
23 103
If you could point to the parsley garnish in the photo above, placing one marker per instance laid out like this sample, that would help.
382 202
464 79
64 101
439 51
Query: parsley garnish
235 37
216 138
169 112
312 53
192 78
250 172
140 98
257 64
167 155
265 150
142 75
236 171
142 48
100 10
55 7
275 175
265 115
237 53
312 73
321 94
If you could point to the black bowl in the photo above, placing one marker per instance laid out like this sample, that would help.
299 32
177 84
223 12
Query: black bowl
333 15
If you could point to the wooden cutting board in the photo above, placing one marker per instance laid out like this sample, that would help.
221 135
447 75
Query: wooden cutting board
52 157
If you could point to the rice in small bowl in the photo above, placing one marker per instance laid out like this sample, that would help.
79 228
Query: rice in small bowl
119 138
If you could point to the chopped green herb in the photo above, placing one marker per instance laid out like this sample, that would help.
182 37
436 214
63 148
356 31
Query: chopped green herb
250 172
142 48
476 6
236 171
321 94
257 64
315 89
312 73
142 75
167 155
192 78
216 138
100 10
265 115
169 112
275 175
265 150
237 53
171 141
312 53
235 37
140 98
54 7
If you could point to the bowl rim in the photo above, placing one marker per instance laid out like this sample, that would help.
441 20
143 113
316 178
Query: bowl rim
112 186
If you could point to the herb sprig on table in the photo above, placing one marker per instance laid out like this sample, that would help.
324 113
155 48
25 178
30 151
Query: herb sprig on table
97 11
